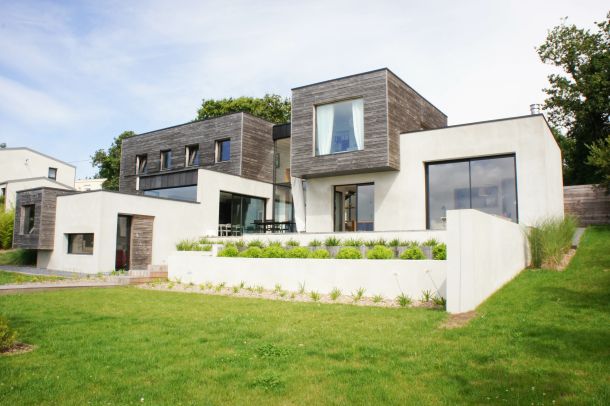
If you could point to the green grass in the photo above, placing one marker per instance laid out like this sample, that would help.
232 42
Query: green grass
543 337
7 278
18 257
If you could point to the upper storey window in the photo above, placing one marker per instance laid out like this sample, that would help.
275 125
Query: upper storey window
52 173
192 155
223 150
166 160
141 162
340 127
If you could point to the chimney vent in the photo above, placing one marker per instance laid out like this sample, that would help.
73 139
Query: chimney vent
534 109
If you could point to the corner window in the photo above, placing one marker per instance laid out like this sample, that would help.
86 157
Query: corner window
192 155
487 184
141 162
53 173
166 160
340 127
80 244
28 215
223 150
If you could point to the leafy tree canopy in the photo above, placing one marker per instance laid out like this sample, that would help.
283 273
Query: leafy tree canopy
271 107
578 101
109 162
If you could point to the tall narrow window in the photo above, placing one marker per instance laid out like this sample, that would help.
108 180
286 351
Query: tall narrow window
223 150
28 213
166 160
53 173
141 162
192 155
340 127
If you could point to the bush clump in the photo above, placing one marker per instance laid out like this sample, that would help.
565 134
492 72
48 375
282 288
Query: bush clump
18 257
550 239
349 253
192 245
228 251
380 252
7 335
7 219
298 252
332 242
256 243
320 254
274 251
439 251
413 253
252 252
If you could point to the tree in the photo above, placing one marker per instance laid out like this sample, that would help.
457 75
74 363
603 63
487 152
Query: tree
109 162
578 101
600 159
271 107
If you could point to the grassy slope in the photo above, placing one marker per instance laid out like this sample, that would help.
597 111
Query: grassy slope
14 277
543 337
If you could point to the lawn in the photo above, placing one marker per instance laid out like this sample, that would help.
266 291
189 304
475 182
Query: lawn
14 277
544 337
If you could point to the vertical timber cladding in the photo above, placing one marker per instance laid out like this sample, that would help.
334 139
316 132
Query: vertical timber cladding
391 107
141 242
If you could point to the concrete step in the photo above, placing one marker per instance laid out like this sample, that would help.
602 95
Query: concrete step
148 274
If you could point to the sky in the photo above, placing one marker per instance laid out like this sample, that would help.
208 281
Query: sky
75 74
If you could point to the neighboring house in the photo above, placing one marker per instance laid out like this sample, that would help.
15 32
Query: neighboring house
23 168
85 185
363 153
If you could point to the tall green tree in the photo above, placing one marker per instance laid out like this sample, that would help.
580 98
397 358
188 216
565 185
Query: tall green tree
578 101
108 162
271 107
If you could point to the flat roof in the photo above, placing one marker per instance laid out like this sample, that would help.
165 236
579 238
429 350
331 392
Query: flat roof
483 122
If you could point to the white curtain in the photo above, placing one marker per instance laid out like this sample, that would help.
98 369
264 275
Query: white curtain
324 128
358 119
298 200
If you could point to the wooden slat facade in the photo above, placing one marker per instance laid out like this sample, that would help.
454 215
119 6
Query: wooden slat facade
589 203
141 242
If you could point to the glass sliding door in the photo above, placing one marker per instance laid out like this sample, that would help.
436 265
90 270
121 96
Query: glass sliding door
354 207
253 209
366 207
237 214
487 184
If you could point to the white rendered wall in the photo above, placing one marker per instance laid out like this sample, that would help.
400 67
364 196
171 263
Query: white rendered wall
400 196
97 212
13 187
483 253
23 163
84 185
388 278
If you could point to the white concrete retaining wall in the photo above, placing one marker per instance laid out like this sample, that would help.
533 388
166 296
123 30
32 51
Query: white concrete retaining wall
388 278
483 253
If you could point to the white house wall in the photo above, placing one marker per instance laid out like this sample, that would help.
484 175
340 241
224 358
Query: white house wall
23 163
400 196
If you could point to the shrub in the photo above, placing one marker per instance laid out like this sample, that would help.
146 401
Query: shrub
410 243
207 247
256 243
240 243
298 252
320 254
403 300
229 251
550 239
18 257
377 299
413 253
274 244
439 301
274 251
315 243
252 252
7 219
7 335
335 293
380 252
430 242
352 242
332 242
359 294
315 296
292 243
349 253
394 243
206 240
187 245
439 252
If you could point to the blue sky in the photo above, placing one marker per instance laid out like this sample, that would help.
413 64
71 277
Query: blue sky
73 75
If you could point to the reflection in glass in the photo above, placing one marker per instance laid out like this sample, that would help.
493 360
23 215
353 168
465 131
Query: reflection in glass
354 207
282 204
187 193
448 188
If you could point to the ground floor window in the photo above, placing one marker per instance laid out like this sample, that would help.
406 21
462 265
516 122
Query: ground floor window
239 214
488 184
187 193
354 207
80 244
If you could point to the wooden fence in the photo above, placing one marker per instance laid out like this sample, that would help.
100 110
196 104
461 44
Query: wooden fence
591 205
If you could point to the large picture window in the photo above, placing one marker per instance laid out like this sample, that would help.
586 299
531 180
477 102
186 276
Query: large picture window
487 184
80 244
340 127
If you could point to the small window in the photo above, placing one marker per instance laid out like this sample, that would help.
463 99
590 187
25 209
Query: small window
80 244
223 150
192 155
340 127
141 161
53 173
28 213
166 160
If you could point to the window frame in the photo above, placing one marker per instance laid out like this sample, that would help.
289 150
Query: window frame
315 125
139 158
54 177
188 155
28 218
219 150
476 158
169 159
334 190
70 237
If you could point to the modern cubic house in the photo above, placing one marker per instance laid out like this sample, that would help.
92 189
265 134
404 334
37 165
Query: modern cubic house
363 153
